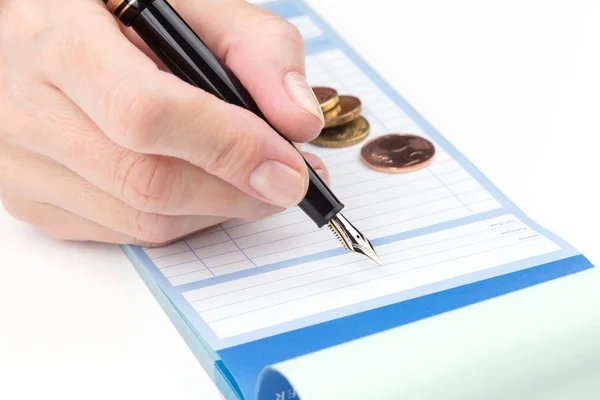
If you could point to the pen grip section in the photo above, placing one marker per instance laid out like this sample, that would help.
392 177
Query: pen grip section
187 57
320 204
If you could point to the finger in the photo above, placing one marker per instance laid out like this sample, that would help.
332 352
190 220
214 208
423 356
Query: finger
149 111
150 183
63 225
40 179
267 53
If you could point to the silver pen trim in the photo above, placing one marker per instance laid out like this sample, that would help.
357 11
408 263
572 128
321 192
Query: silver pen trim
352 238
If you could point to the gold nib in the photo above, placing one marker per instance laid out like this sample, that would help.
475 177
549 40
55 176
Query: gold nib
375 258
352 238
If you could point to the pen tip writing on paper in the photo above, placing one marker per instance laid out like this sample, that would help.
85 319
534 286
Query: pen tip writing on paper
369 251
375 258
352 238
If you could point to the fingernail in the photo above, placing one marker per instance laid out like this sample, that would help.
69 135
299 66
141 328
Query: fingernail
303 95
324 175
278 183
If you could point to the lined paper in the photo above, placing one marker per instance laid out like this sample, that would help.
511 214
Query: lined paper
268 299
378 204
254 278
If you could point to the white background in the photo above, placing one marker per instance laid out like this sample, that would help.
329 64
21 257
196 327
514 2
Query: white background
513 84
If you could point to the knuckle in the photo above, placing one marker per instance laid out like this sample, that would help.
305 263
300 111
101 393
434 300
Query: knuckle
27 30
270 27
152 228
234 156
51 32
276 26
55 43
138 114
146 181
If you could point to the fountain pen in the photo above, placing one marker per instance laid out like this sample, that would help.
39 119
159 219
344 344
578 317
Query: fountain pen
183 52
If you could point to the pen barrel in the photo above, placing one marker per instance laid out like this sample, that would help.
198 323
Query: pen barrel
187 57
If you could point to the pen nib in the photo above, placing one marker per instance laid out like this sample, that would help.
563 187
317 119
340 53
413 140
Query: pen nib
351 237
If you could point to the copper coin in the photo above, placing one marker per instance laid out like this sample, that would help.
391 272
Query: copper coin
327 97
351 109
333 113
398 153
344 135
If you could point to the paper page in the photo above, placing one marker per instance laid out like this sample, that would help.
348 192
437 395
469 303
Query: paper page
511 349
309 289
259 292
257 278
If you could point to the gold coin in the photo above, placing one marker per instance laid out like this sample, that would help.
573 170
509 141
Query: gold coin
333 113
327 97
351 108
344 135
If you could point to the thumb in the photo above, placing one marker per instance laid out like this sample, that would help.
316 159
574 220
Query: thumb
267 54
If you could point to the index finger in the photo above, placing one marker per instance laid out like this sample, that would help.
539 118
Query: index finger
150 111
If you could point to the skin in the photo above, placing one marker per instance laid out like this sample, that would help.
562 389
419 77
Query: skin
98 142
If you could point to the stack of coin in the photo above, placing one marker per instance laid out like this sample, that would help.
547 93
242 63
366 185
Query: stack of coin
344 126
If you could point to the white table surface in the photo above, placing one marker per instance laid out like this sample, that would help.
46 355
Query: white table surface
514 85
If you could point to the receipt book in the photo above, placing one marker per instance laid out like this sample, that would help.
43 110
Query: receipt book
249 295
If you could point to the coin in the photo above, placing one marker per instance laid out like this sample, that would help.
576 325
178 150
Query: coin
398 153
351 108
333 113
327 97
344 135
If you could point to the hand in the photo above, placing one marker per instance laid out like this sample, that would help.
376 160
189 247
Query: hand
98 142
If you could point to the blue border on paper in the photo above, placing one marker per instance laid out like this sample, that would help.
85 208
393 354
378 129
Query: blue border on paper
300 337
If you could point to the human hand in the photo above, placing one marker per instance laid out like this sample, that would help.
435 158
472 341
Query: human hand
98 142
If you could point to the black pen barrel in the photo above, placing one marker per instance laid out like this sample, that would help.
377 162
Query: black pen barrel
187 57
